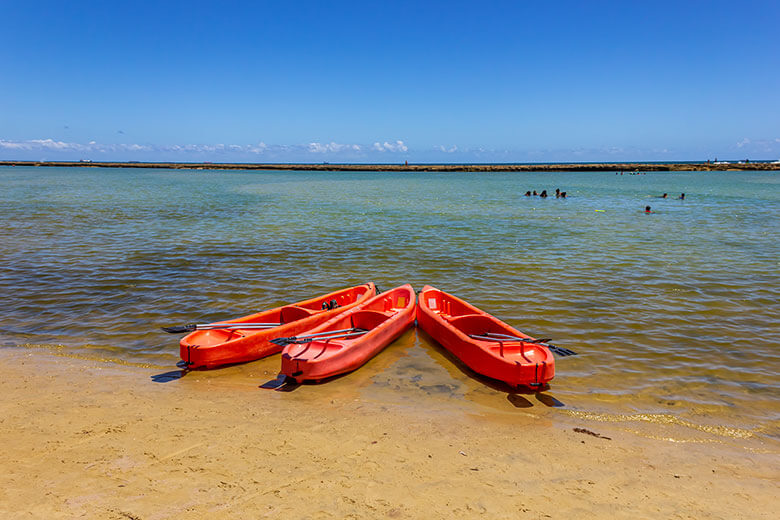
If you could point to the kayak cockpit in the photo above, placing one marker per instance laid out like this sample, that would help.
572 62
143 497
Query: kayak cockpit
290 313
479 325
448 308
368 320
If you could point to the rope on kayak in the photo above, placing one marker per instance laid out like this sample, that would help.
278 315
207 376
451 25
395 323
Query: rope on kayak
189 355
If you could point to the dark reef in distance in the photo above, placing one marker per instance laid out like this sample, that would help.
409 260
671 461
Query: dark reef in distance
563 167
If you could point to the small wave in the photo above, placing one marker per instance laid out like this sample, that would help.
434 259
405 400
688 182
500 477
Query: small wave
719 430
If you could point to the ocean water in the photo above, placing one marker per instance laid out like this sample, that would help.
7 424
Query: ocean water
675 314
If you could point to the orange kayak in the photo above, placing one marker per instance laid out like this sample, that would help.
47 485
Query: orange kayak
232 344
484 343
350 339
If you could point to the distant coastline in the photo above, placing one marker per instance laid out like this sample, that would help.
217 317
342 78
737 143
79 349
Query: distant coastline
562 167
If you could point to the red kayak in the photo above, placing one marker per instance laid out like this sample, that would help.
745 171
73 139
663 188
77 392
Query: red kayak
350 339
246 339
484 343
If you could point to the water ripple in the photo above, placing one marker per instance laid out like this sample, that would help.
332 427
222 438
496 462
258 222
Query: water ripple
677 306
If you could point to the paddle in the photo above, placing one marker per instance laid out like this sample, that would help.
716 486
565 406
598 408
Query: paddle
331 334
492 336
191 327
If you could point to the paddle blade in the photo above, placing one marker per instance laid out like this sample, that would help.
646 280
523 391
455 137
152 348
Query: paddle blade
190 327
562 352
282 342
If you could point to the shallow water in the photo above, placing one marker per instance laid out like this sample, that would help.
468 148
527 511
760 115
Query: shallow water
674 314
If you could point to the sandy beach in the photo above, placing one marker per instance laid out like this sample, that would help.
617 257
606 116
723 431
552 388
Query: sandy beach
95 439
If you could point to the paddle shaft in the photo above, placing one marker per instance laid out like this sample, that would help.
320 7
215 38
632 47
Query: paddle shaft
500 338
323 333
516 338
210 326
330 334
318 338
192 327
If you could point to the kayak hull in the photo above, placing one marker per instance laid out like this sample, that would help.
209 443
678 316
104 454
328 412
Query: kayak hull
216 347
451 321
385 317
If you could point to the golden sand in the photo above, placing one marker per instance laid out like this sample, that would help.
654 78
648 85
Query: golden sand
89 439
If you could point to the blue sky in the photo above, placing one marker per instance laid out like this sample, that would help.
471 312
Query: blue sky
364 81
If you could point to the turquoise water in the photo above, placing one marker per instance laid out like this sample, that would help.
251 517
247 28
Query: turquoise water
674 313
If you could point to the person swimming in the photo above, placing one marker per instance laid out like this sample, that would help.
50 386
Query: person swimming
527 193
682 196
663 196
543 194
535 194
647 209
563 194
557 193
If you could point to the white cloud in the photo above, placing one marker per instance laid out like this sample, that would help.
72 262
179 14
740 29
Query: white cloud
332 147
451 149
79 150
10 145
759 146
397 146
258 148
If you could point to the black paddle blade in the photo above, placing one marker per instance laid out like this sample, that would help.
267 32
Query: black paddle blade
190 327
563 352
287 341
282 342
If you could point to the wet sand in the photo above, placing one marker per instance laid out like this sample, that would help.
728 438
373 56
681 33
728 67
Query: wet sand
563 167
93 439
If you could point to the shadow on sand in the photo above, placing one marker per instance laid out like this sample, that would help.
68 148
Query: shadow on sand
280 384
167 377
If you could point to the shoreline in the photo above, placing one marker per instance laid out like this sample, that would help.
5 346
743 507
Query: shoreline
577 167
96 439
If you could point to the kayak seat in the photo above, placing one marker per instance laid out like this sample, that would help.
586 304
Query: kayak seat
293 313
527 353
478 325
367 319
464 320
208 338
446 307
